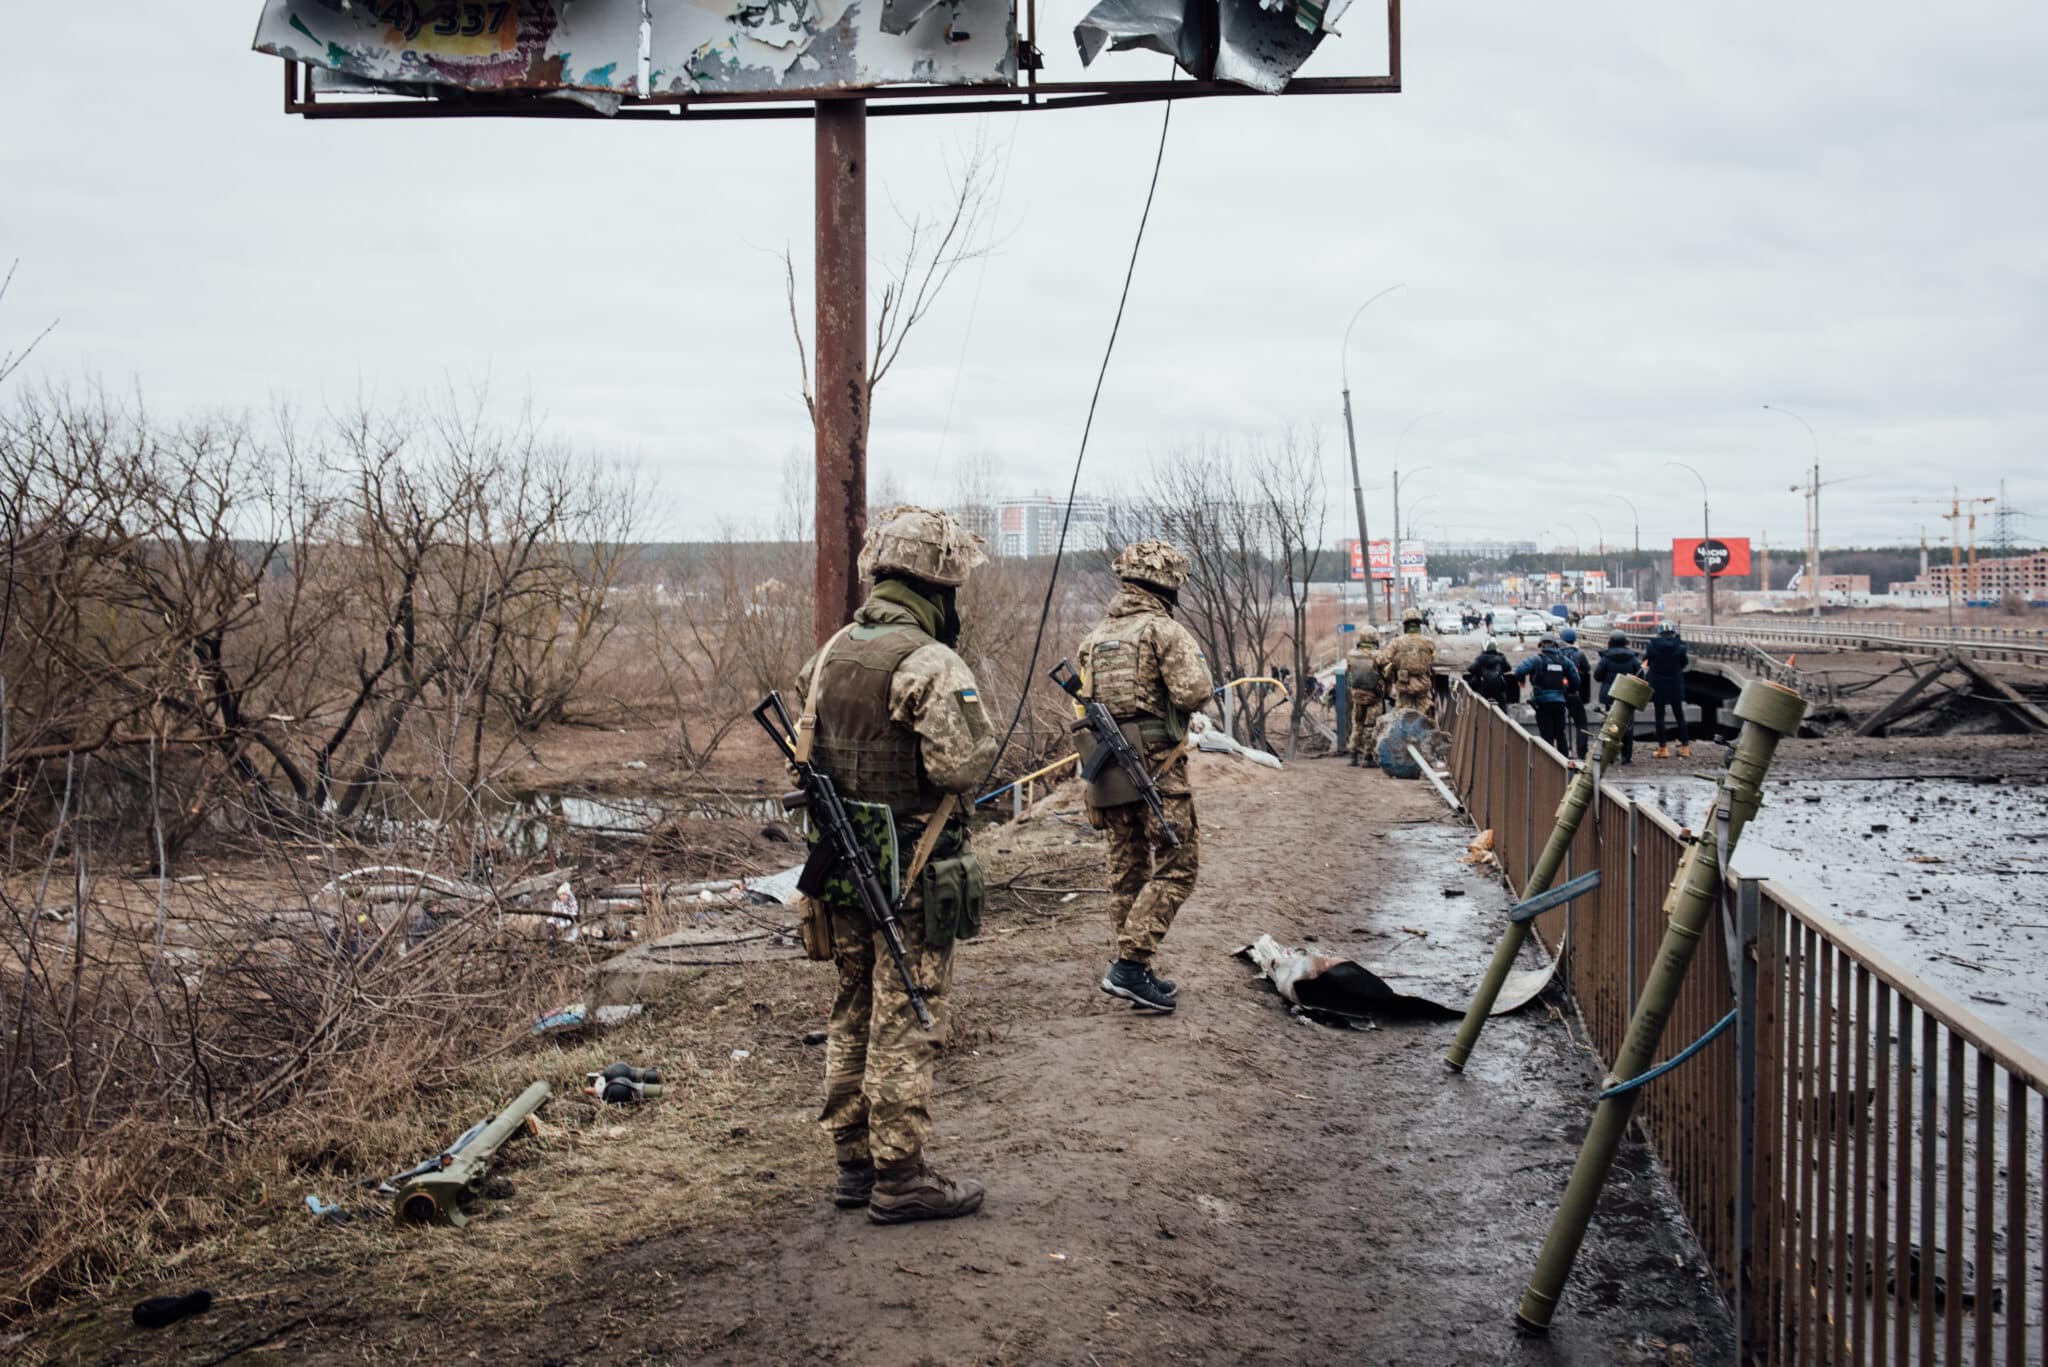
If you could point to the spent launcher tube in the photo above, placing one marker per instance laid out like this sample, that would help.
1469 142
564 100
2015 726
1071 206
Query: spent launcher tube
1626 696
1768 713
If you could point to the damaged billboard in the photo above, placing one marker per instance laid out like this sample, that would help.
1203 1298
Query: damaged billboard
599 51
1254 43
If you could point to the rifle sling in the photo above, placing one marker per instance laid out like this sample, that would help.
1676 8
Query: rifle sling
807 724
934 827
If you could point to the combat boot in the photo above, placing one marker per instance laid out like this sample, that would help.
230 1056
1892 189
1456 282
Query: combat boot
1661 752
1685 752
912 1191
1136 985
856 1184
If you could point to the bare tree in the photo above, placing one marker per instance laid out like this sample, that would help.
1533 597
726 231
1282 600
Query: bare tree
934 245
1288 473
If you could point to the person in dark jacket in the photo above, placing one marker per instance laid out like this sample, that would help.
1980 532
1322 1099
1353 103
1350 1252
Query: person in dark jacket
1665 662
1553 678
1491 676
1575 706
1618 661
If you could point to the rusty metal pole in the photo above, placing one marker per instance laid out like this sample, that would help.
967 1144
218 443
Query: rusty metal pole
840 417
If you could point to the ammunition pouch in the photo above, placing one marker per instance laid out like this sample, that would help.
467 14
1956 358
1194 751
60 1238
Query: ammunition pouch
814 926
955 893
1113 787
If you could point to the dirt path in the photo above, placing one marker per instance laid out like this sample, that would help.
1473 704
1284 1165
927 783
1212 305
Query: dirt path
1223 1185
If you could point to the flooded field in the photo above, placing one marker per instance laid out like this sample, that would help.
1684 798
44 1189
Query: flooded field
1943 874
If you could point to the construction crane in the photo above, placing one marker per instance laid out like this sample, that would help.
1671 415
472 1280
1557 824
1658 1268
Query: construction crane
1960 509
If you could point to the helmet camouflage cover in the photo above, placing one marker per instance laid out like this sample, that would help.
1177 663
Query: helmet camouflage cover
930 545
1412 617
1153 562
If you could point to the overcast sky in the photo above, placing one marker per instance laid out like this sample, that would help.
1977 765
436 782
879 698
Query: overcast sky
1623 228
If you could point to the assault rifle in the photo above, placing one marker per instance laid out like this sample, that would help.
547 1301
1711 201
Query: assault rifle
820 796
1112 746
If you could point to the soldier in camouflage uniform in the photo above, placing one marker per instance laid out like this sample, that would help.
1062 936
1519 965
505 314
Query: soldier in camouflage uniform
1362 682
1408 665
899 724
1149 672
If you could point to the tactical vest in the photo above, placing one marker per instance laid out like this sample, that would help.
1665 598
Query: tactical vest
1362 673
870 757
1117 672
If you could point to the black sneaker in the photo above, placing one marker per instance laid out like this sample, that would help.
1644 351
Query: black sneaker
1136 986
1166 985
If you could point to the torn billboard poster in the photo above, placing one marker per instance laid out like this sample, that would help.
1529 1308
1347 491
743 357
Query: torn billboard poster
659 47
1254 43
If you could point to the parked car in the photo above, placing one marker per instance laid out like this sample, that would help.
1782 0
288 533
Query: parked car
1534 623
1447 621
1639 621
1598 621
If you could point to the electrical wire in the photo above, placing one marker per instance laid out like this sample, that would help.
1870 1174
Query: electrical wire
1074 484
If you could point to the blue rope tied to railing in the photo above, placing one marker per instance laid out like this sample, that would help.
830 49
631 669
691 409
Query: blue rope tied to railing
1661 1069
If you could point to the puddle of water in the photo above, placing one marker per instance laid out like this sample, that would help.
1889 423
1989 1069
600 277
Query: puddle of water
1944 875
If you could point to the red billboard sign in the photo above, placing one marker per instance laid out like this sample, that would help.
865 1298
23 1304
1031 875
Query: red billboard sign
1723 557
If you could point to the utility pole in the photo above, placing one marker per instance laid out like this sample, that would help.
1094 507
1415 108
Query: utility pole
840 268
1813 487
1351 443
1706 529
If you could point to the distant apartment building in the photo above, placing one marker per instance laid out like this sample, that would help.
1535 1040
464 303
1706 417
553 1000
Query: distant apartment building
1480 550
2021 576
1845 583
1026 527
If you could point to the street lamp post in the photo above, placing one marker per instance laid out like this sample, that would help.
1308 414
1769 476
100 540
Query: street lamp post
1351 442
1812 511
1636 535
1397 518
1706 527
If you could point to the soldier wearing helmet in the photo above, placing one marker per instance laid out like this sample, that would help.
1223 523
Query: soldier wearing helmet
1363 685
1148 670
899 725
1408 666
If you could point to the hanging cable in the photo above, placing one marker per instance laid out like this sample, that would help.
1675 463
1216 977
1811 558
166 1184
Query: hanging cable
1074 484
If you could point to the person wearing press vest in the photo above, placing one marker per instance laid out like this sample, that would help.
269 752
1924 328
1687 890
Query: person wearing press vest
1553 678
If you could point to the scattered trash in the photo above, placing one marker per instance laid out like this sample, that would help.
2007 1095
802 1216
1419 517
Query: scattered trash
570 1017
814 1036
1212 740
158 1311
624 1084
742 1055
1057 1257
327 1210
1480 851
576 1015
566 918
1068 898
1454 892
635 764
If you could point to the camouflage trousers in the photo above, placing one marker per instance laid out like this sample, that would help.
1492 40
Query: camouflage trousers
1148 878
1365 713
878 1059
1421 697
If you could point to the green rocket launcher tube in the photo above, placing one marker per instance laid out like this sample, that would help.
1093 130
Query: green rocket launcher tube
1627 695
1768 714
432 1193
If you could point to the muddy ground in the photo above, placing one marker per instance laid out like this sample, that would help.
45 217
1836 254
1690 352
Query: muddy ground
1225 1185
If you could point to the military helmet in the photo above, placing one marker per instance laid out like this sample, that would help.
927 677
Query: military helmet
1159 563
928 545
1617 640
1569 636
1411 618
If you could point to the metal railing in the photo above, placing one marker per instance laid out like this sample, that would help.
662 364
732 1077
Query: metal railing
2023 645
1865 1164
